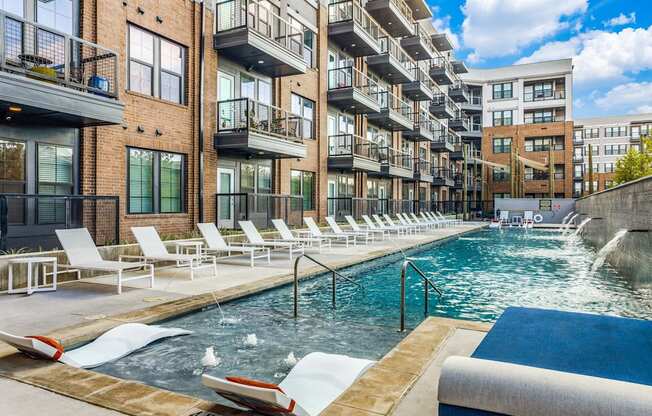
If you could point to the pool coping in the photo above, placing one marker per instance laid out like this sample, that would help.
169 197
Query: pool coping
135 398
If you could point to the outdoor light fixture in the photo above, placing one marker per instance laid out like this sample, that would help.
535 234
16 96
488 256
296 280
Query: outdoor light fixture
159 19
140 129
261 62
15 109
158 132
140 10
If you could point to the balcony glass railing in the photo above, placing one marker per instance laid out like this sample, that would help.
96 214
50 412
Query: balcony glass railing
235 14
444 100
391 47
243 114
352 145
349 77
425 38
441 173
343 11
420 75
396 158
462 119
404 9
46 54
442 63
394 103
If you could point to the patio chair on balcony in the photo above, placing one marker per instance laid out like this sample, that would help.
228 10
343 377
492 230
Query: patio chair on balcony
215 244
313 230
153 249
255 239
357 228
411 228
382 227
337 230
286 234
82 254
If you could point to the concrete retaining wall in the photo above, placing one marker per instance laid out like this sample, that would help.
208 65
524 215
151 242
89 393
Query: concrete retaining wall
629 207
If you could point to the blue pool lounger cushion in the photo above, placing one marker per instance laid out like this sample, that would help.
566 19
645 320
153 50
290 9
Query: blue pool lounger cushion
608 348
110 346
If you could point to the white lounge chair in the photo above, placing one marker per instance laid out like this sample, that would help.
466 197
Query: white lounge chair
411 228
416 220
215 243
454 221
254 237
357 228
153 249
286 234
403 229
313 230
364 235
313 384
528 219
504 217
431 220
382 227
82 254
404 219
110 346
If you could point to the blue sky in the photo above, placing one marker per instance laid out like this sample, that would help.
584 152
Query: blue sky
610 42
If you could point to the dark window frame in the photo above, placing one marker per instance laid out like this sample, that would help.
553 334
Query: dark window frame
503 147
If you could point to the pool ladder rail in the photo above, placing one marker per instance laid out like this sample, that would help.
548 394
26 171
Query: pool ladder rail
427 283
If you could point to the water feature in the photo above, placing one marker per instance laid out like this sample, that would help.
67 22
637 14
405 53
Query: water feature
569 223
567 217
608 248
480 275
582 225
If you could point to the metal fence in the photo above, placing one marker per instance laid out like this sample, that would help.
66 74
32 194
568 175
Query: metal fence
29 221
261 209
475 208
339 207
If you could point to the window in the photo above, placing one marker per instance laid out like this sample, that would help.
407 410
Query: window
592 133
595 185
578 171
247 178
502 91
155 182
608 167
308 40
503 118
615 149
538 92
542 144
156 66
12 6
539 116
577 189
264 179
578 135
615 131
12 177
503 145
57 14
641 131
305 108
595 151
500 176
55 177
303 184
501 195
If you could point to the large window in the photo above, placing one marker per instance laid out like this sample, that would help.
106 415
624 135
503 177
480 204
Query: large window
502 145
155 182
542 144
12 167
609 168
615 149
542 116
592 133
615 131
55 177
305 108
156 66
502 91
538 92
57 14
500 175
12 6
303 184
503 118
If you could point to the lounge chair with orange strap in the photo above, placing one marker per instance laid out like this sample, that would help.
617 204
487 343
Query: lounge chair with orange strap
314 383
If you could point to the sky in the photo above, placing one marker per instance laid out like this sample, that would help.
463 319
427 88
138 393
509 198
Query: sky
610 42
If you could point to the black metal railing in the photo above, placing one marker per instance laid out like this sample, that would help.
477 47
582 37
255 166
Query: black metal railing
352 145
349 77
544 95
391 102
442 173
475 208
351 10
261 209
339 207
29 220
422 167
46 54
396 158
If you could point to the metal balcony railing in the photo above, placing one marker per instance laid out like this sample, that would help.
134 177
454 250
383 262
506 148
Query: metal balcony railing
351 10
422 166
443 99
544 95
425 38
236 14
420 75
242 114
357 207
392 102
390 46
352 145
538 118
441 173
43 53
396 158
350 77
442 63
261 209
405 10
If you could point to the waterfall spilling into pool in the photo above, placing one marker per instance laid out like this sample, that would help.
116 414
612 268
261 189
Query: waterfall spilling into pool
612 245
582 225
569 223
567 217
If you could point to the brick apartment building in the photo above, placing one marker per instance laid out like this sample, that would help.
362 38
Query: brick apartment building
142 113
523 109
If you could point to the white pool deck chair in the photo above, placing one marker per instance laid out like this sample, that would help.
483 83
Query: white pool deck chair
356 227
382 227
337 230
82 254
215 244
313 230
412 216
504 217
435 218
381 223
411 228
528 219
309 388
286 234
254 237
405 220
152 249
435 221
455 221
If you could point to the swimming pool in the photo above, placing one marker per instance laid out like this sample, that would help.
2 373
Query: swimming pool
480 274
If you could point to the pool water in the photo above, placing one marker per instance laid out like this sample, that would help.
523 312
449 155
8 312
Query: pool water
480 275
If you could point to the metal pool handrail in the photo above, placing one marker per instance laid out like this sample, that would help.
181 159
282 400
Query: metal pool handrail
334 274
427 282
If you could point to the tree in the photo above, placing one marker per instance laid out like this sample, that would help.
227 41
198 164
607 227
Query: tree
635 164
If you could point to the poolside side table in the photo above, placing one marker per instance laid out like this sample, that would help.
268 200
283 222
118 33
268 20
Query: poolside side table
186 247
33 264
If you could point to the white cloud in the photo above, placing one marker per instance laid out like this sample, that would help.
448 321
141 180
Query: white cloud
496 28
621 20
632 97
644 109
600 57
442 24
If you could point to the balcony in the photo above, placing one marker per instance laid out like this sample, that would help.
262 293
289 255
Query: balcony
460 122
442 42
48 78
459 92
442 177
421 89
396 164
543 95
443 143
250 34
441 71
394 15
471 183
393 64
353 153
257 130
425 128
261 209
443 107
353 29
395 114
458 148
578 141
351 90
422 171
460 67
419 46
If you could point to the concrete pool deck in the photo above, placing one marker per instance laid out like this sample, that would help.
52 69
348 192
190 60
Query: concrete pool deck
80 311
